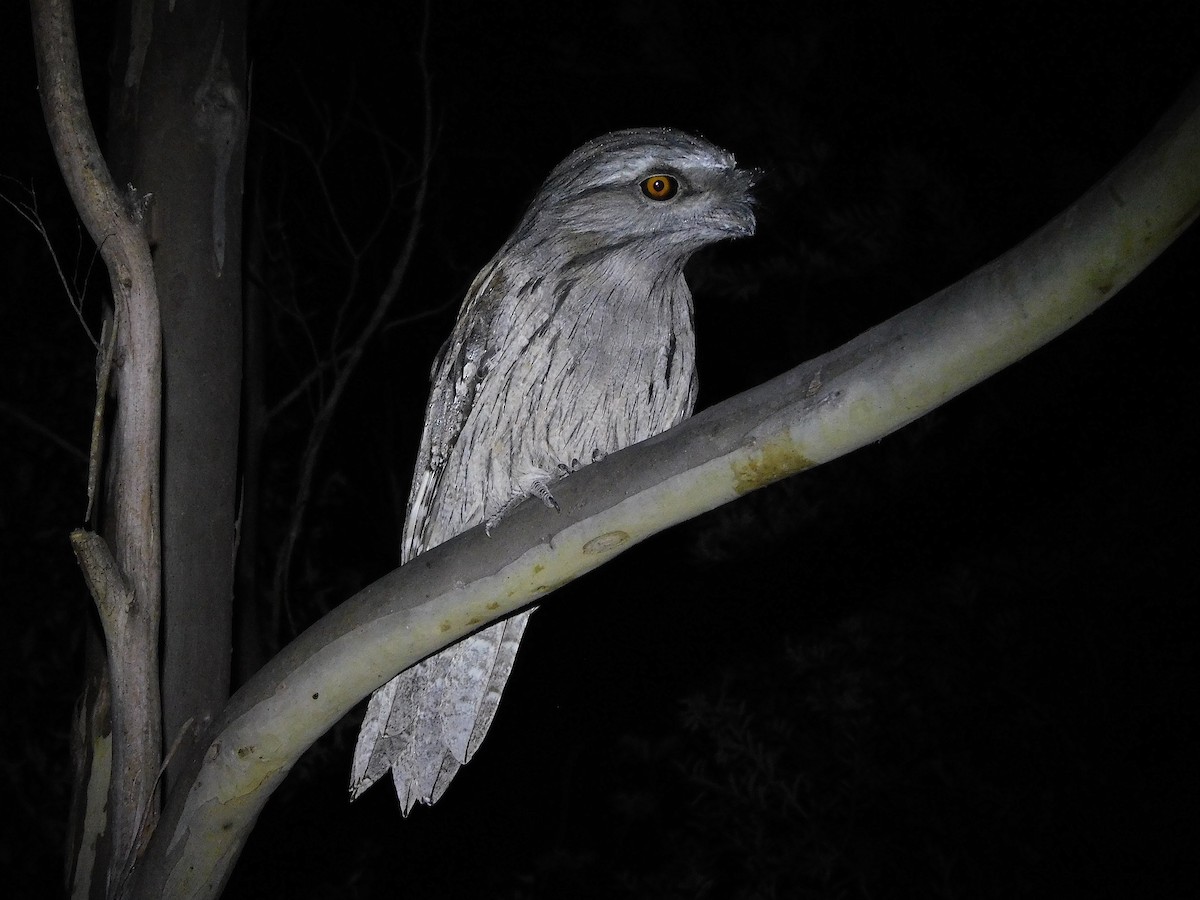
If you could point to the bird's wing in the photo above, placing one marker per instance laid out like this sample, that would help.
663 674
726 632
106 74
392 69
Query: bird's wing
458 372
429 719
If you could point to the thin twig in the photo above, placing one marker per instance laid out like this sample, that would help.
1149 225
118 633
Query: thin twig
29 212
42 430
356 350
108 335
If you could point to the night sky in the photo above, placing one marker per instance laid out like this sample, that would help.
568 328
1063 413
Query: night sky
957 663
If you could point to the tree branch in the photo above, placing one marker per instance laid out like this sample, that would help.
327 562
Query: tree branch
817 412
133 527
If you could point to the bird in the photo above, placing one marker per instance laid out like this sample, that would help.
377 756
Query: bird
574 341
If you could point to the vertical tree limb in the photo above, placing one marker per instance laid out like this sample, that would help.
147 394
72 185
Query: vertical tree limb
132 522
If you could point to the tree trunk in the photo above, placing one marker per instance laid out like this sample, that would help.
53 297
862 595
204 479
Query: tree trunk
176 147
177 133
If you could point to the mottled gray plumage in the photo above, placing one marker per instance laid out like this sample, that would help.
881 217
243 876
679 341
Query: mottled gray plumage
574 341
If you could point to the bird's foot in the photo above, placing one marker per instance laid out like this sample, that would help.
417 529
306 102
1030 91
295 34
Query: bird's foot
538 485
534 487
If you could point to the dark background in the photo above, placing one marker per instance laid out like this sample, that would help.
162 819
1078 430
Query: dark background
958 663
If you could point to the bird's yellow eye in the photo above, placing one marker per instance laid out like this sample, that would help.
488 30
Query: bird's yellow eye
660 187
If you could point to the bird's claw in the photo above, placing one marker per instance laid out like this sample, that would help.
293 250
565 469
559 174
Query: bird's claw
542 491
539 489
575 465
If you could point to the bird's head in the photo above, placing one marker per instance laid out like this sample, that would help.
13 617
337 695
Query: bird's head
655 191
